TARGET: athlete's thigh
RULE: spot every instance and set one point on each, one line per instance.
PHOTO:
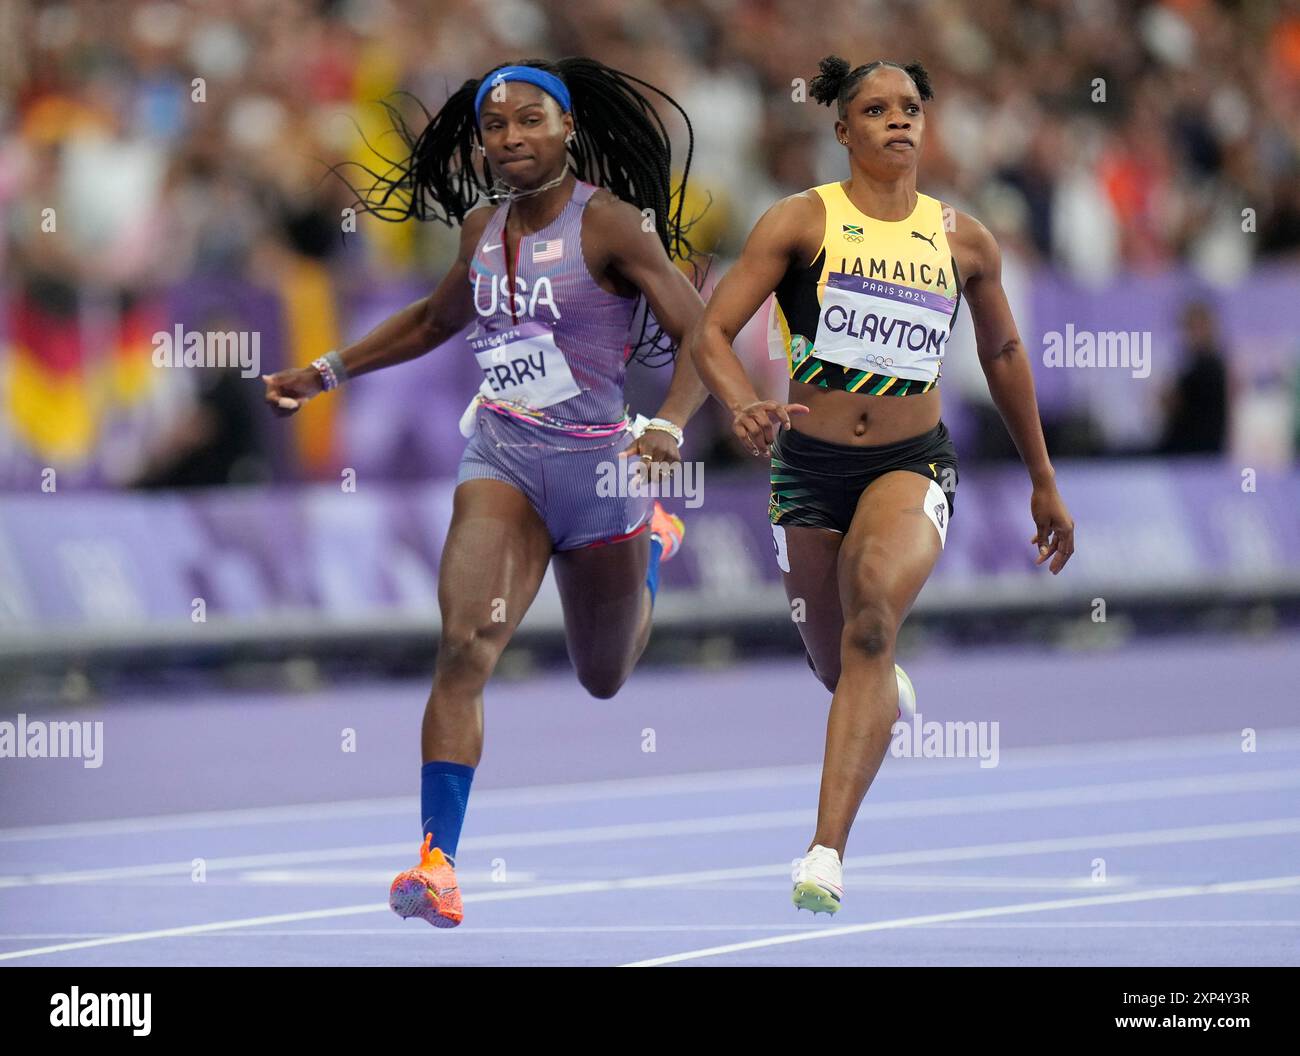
(494, 558)
(812, 587)
(890, 548)
(602, 589)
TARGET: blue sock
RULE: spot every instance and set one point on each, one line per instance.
(444, 794)
(652, 572)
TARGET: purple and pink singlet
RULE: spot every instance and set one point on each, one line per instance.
(550, 419)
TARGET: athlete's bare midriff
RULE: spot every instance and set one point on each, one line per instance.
(857, 418)
(854, 418)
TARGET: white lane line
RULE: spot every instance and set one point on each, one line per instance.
(371, 878)
(914, 882)
(1057, 755)
(537, 795)
(1153, 837)
(1084, 925)
(1061, 844)
(469, 931)
(883, 881)
(939, 806)
(1159, 894)
(465, 930)
(197, 929)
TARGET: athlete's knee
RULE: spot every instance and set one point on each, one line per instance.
(469, 650)
(602, 683)
(871, 629)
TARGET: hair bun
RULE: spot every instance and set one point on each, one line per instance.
(825, 87)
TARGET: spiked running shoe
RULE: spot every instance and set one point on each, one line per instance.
(819, 880)
(668, 529)
(429, 891)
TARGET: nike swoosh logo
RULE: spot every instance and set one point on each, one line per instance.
(489, 249)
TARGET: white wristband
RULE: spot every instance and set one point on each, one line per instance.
(665, 426)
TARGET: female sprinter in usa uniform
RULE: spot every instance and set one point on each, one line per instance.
(553, 276)
(868, 275)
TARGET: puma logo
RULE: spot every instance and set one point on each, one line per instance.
(917, 234)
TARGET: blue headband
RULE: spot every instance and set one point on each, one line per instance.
(547, 82)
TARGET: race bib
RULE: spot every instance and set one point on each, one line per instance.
(870, 324)
(936, 508)
(523, 365)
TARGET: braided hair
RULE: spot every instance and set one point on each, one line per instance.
(838, 83)
(620, 143)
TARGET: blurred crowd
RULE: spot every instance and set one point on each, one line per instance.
(179, 140)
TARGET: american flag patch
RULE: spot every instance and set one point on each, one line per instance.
(543, 252)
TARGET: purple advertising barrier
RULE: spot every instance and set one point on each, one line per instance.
(400, 424)
(1258, 321)
(115, 567)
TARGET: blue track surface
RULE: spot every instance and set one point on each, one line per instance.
(1123, 824)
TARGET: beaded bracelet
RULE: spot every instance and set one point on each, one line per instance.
(332, 371)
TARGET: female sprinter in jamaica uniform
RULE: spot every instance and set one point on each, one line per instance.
(868, 275)
(553, 276)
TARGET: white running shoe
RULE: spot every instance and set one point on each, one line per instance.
(819, 880)
(906, 693)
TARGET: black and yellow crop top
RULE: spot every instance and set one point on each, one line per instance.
(873, 311)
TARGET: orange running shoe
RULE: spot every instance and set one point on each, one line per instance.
(429, 891)
(668, 529)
